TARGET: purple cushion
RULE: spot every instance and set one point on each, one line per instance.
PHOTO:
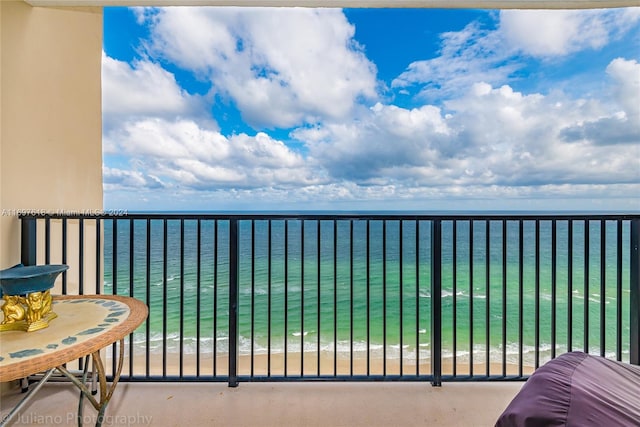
(577, 389)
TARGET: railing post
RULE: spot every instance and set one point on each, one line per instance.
(28, 253)
(634, 282)
(233, 302)
(28, 250)
(436, 302)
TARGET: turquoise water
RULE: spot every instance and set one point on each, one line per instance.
(330, 285)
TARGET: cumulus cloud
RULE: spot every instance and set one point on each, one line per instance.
(496, 55)
(549, 33)
(280, 67)
(621, 126)
(557, 32)
(471, 55)
(470, 136)
(490, 136)
(189, 156)
(626, 86)
(143, 89)
(115, 179)
(384, 137)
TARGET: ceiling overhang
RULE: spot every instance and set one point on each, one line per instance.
(445, 4)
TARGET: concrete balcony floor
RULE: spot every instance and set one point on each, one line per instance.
(274, 404)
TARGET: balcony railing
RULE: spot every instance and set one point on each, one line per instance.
(285, 297)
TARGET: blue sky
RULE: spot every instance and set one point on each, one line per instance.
(371, 109)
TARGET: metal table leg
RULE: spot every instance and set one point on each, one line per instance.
(105, 392)
(5, 420)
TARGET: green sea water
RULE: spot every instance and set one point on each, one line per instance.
(365, 286)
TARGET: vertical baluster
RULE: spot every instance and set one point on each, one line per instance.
(81, 256)
(28, 241)
(148, 289)
(269, 290)
(520, 294)
(504, 297)
(216, 263)
(554, 284)
(131, 288)
(634, 300)
(351, 298)
(99, 255)
(286, 293)
(368, 257)
(586, 284)
(181, 297)
(487, 270)
(253, 293)
(619, 289)
(47, 240)
(436, 298)
(335, 298)
(318, 296)
(302, 283)
(471, 281)
(455, 295)
(198, 291)
(603, 282)
(114, 291)
(234, 255)
(417, 295)
(570, 287)
(401, 286)
(164, 297)
(384, 297)
(64, 255)
(537, 294)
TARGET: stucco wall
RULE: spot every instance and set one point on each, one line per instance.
(50, 114)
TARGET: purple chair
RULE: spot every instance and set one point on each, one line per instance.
(577, 389)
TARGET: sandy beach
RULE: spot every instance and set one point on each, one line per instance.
(298, 364)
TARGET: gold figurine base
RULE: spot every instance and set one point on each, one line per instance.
(30, 313)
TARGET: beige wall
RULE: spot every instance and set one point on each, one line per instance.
(50, 114)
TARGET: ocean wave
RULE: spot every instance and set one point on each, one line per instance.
(345, 349)
(445, 294)
(256, 291)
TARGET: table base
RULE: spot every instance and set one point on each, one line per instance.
(105, 391)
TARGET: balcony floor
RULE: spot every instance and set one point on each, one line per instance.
(271, 404)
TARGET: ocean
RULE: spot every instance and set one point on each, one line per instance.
(365, 286)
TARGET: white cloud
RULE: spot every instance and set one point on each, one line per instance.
(549, 33)
(115, 179)
(188, 156)
(143, 89)
(545, 33)
(495, 56)
(281, 67)
(492, 136)
(626, 86)
(299, 68)
(468, 56)
(622, 125)
(385, 136)
(493, 142)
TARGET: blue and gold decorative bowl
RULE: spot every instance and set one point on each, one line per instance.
(25, 279)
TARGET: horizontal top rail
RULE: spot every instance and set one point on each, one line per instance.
(391, 215)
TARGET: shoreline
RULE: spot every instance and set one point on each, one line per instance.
(298, 364)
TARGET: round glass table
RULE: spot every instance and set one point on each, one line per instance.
(85, 325)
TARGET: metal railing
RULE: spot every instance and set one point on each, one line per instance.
(286, 297)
